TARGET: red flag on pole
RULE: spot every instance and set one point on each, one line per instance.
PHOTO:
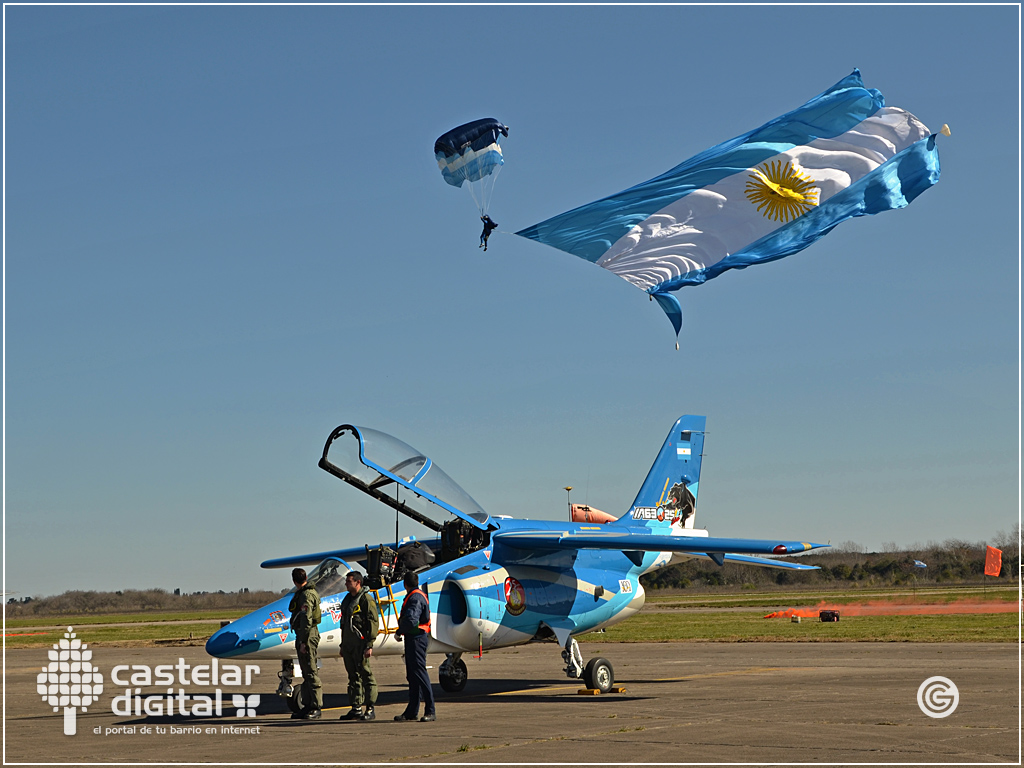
(993, 561)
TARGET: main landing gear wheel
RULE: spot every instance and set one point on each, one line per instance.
(452, 674)
(599, 675)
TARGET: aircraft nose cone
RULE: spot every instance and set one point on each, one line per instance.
(223, 643)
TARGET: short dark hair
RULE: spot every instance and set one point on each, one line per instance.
(298, 575)
(355, 576)
(411, 580)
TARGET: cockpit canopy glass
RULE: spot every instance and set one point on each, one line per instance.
(328, 577)
(383, 458)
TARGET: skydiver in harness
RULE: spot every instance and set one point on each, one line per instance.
(489, 226)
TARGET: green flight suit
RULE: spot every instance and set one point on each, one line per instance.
(305, 623)
(359, 626)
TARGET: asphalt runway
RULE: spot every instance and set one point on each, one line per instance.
(684, 703)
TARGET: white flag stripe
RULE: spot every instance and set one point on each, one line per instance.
(669, 243)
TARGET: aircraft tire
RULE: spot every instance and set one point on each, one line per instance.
(296, 702)
(599, 675)
(456, 680)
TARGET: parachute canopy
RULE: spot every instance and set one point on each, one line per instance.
(759, 197)
(472, 153)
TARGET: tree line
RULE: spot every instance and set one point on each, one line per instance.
(951, 562)
(82, 602)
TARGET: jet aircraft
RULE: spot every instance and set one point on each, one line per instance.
(498, 581)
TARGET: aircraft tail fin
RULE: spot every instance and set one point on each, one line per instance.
(668, 496)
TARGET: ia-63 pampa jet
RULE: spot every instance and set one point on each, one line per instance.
(496, 581)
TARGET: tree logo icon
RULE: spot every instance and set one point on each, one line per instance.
(70, 680)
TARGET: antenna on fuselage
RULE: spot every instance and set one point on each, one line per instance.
(568, 501)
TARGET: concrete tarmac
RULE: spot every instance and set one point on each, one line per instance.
(753, 703)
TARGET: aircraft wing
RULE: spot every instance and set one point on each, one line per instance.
(761, 561)
(350, 555)
(625, 540)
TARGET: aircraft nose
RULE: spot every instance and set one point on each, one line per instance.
(226, 642)
(222, 642)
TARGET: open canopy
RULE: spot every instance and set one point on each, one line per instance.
(398, 475)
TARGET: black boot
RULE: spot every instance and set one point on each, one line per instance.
(356, 713)
(368, 715)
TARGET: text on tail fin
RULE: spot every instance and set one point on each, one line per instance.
(669, 494)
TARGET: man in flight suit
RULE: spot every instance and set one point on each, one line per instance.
(414, 625)
(305, 621)
(359, 619)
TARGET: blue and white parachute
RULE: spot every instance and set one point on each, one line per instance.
(759, 197)
(472, 153)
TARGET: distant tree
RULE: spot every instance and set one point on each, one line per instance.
(1008, 541)
(849, 546)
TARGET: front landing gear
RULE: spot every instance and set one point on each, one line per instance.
(598, 675)
(286, 676)
(287, 690)
(297, 701)
(573, 659)
(452, 674)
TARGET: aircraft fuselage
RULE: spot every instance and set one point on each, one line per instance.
(475, 603)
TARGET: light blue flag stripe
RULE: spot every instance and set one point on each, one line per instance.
(892, 185)
(590, 230)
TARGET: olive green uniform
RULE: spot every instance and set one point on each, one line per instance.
(359, 625)
(305, 621)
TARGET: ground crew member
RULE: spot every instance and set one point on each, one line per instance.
(414, 626)
(359, 619)
(305, 623)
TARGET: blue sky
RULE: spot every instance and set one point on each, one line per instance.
(225, 234)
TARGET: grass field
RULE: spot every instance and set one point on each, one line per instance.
(126, 634)
(123, 618)
(753, 627)
(792, 599)
(670, 617)
(111, 629)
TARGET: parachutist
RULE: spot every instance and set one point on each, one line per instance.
(489, 226)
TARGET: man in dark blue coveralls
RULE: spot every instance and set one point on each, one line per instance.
(414, 626)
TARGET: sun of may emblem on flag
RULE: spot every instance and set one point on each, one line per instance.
(780, 191)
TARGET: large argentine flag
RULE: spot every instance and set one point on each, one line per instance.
(756, 198)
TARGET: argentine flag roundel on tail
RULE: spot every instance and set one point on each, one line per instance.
(756, 198)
